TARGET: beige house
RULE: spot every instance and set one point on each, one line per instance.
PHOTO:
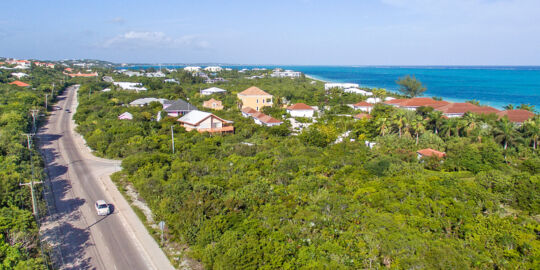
(213, 104)
(255, 98)
(205, 122)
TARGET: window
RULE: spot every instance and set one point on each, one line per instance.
(269, 100)
(257, 109)
(257, 100)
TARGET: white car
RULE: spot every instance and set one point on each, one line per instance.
(102, 208)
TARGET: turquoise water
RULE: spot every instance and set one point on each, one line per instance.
(494, 86)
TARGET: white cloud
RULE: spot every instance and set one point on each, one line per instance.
(156, 40)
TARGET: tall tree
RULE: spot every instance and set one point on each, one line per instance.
(531, 129)
(419, 126)
(505, 132)
(399, 120)
(527, 107)
(410, 86)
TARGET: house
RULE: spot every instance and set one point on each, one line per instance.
(414, 103)
(300, 110)
(363, 106)
(130, 86)
(361, 116)
(248, 111)
(192, 69)
(205, 122)
(255, 98)
(145, 101)
(373, 100)
(287, 73)
(265, 120)
(516, 116)
(171, 81)
(428, 152)
(19, 83)
(19, 74)
(107, 79)
(213, 104)
(178, 107)
(213, 69)
(20, 64)
(358, 91)
(459, 109)
(157, 74)
(212, 90)
(328, 86)
(126, 116)
(79, 74)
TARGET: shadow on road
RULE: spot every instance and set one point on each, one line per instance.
(73, 245)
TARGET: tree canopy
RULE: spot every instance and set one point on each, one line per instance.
(410, 86)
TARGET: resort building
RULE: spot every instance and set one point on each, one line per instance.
(171, 81)
(212, 90)
(414, 103)
(178, 107)
(459, 109)
(300, 110)
(516, 116)
(126, 116)
(255, 98)
(373, 100)
(213, 69)
(205, 122)
(19, 83)
(157, 74)
(213, 104)
(328, 86)
(363, 106)
(428, 152)
(248, 112)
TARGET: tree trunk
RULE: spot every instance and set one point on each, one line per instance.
(400, 132)
(505, 144)
(416, 138)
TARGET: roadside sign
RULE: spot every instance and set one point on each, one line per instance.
(161, 225)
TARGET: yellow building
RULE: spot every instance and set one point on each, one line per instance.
(255, 98)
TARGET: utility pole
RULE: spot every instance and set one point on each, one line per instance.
(32, 182)
(172, 138)
(52, 90)
(46, 96)
(34, 114)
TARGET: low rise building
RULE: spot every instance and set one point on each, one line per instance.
(363, 106)
(213, 104)
(130, 86)
(178, 107)
(328, 86)
(125, 116)
(516, 116)
(212, 90)
(205, 122)
(213, 69)
(300, 110)
(192, 69)
(255, 98)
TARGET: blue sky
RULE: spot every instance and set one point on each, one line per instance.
(339, 32)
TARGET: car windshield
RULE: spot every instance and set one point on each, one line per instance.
(100, 206)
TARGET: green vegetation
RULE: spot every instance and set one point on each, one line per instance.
(19, 239)
(263, 199)
(410, 86)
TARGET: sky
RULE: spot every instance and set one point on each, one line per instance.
(293, 32)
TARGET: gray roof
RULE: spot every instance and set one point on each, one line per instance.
(180, 105)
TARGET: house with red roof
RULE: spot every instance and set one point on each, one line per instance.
(265, 120)
(516, 116)
(415, 103)
(300, 110)
(363, 106)
(19, 83)
(361, 116)
(79, 74)
(255, 98)
(428, 152)
(458, 109)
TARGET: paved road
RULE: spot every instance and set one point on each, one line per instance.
(82, 239)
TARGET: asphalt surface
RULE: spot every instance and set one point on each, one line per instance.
(79, 237)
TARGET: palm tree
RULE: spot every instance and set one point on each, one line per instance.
(505, 132)
(399, 121)
(531, 129)
(509, 107)
(382, 123)
(419, 126)
(436, 120)
(471, 121)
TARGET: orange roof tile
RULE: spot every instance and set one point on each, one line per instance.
(363, 104)
(254, 91)
(19, 83)
(299, 106)
(454, 108)
(265, 118)
(517, 116)
(249, 110)
(428, 152)
(362, 116)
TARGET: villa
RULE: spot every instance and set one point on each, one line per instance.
(19, 83)
(516, 116)
(212, 90)
(459, 109)
(130, 86)
(255, 98)
(300, 110)
(414, 103)
(428, 152)
(328, 86)
(213, 104)
(79, 74)
(145, 101)
(192, 69)
(205, 122)
(265, 120)
(178, 107)
(19, 74)
(286, 73)
(126, 116)
(363, 106)
(213, 69)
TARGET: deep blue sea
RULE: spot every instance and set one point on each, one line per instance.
(496, 86)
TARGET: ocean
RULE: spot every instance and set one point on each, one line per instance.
(495, 86)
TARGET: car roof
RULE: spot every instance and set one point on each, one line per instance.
(101, 202)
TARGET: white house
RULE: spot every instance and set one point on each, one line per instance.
(340, 85)
(171, 81)
(205, 122)
(145, 101)
(355, 90)
(126, 116)
(363, 106)
(300, 110)
(213, 69)
(192, 69)
(286, 73)
(157, 74)
(212, 90)
(373, 100)
(19, 74)
(265, 120)
(130, 86)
